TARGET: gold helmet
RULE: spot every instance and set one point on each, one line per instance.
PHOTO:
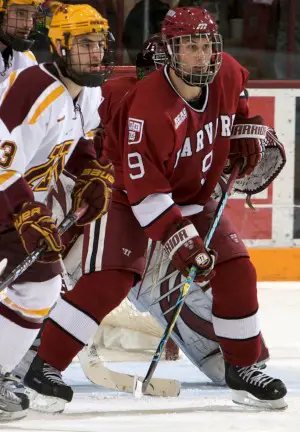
(7, 32)
(67, 24)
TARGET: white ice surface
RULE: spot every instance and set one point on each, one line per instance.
(200, 406)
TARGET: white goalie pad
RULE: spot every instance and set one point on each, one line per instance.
(193, 333)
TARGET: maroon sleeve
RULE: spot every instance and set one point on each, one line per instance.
(83, 153)
(242, 110)
(12, 198)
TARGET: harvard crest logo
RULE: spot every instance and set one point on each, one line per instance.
(135, 130)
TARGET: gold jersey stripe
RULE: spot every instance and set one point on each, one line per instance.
(6, 176)
(32, 312)
(30, 55)
(46, 102)
(12, 78)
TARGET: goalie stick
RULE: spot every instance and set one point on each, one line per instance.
(140, 386)
(68, 221)
(94, 368)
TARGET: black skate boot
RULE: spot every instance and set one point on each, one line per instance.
(48, 392)
(251, 387)
(14, 403)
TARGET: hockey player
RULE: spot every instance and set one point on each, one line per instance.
(16, 22)
(38, 138)
(175, 121)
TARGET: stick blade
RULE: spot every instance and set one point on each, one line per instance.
(137, 387)
(99, 374)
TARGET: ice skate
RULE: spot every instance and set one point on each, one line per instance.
(250, 386)
(14, 403)
(48, 392)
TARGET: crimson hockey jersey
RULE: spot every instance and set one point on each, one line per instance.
(169, 155)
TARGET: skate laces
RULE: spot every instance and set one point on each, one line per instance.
(9, 383)
(52, 374)
(253, 375)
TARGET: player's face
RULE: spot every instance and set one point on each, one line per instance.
(87, 52)
(19, 20)
(194, 54)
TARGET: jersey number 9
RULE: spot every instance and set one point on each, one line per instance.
(135, 163)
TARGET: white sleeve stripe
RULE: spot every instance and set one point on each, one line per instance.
(243, 93)
(152, 207)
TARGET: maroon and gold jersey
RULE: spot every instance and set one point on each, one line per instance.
(169, 154)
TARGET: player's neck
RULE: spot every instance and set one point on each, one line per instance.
(187, 92)
(73, 89)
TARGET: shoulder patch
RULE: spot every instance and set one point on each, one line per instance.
(135, 130)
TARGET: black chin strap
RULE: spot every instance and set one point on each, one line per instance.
(7, 54)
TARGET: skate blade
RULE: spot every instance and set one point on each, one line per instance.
(244, 398)
(6, 416)
(45, 404)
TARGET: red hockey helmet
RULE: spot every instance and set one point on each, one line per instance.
(152, 56)
(195, 29)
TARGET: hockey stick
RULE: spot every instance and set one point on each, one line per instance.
(3, 264)
(96, 372)
(140, 387)
(68, 221)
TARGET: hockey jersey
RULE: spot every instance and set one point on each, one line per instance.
(15, 60)
(169, 155)
(40, 126)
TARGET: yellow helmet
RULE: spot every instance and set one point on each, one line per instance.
(4, 4)
(74, 20)
(69, 21)
(6, 37)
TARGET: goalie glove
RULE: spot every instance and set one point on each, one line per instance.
(265, 172)
(247, 141)
(185, 248)
(35, 225)
(93, 187)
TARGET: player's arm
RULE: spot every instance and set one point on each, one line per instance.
(248, 133)
(263, 154)
(148, 146)
(94, 180)
(14, 155)
(21, 132)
